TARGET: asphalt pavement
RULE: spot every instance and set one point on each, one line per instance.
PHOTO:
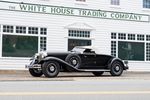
(20, 85)
(117, 89)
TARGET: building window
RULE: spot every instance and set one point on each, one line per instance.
(78, 33)
(43, 43)
(33, 30)
(148, 51)
(43, 31)
(78, 38)
(81, 0)
(146, 3)
(113, 35)
(147, 37)
(8, 28)
(130, 46)
(122, 36)
(131, 51)
(140, 37)
(77, 42)
(20, 29)
(19, 46)
(131, 36)
(113, 48)
(115, 2)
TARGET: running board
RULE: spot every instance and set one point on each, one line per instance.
(93, 70)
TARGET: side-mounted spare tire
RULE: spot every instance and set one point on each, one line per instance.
(50, 69)
(74, 60)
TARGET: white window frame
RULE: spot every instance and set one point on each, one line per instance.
(127, 40)
(20, 34)
(79, 38)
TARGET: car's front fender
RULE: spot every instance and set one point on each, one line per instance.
(60, 61)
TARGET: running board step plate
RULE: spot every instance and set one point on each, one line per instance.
(93, 70)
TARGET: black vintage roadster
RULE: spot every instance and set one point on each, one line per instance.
(80, 59)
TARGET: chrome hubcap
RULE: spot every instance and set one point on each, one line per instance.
(52, 68)
(74, 62)
(117, 68)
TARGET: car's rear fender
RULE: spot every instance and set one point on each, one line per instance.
(60, 61)
(113, 60)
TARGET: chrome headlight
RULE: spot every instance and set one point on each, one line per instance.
(36, 55)
(42, 55)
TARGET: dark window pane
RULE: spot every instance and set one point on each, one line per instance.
(8, 28)
(115, 2)
(75, 42)
(131, 51)
(19, 46)
(146, 3)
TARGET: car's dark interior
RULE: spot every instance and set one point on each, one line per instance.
(88, 51)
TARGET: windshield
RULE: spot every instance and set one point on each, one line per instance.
(75, 49)
(85, 49)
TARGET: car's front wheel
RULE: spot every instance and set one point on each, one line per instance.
(98, 73)
(35, 72)
(116, 68)
(50, 69)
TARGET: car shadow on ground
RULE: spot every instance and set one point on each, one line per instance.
(69, 75)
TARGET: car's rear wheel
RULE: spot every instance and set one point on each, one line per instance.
(98, 73)
(73, 60)
(116, 68)
(36, 72)
(50, 69)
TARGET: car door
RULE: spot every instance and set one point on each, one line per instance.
(101, 60)
(88, 60)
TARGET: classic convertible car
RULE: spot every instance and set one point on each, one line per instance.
(79, 59)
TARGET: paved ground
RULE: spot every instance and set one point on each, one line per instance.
(20, 85)
(117, 89)
(16, 75)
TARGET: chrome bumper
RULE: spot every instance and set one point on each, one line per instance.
(33, 65)
(126, 67)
